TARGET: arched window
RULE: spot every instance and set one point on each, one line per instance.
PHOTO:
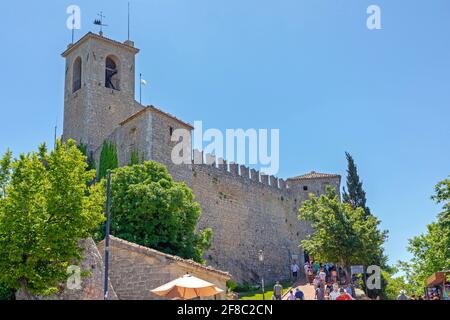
(112, 79)
(76, 84)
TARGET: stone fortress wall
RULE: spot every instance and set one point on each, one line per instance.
(248, 211)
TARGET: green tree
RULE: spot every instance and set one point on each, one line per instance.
(442, 196)
(341, 233)
(355, 194)
(5, 172)
(149, 208)
(89, 156)
(108, 159)
(431, 250)
(47, 209)
(135, 158)
(431, 253)
(394, 285)
(6, 293)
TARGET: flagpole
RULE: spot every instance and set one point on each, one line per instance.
(140, 88)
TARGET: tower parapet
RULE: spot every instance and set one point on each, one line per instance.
(313, 182)
(99, 88)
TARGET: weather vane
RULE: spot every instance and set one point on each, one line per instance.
(99, 22)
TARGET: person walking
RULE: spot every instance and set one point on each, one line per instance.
(334, 275)
(327, 293)
(316, 282)
(294, 269)
(322, 275)
(308, 273)
(299, 294)
(349, 290)
(402, 295)
(335, 293)
(306, 270)
(320, 292)
(277, 290)
(291, 295)
(344, 295)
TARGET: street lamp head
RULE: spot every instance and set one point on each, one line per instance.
(261, 255)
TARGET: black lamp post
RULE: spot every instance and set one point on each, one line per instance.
(107, 231)
(261, 259)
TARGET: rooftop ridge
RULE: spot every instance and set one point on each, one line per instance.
(153, 108)
(121, 243)
(314, 175)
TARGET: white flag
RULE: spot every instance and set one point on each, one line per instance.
(143, 82)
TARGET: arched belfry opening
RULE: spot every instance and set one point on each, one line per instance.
(112, 75)
(77, 69)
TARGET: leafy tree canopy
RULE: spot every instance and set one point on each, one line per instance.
(89, 156)
(442, 195)
(5, 172)
(46, 209)
(149, 208)
(430, 250)
(6, 293)
(341, 233)
(394, 285)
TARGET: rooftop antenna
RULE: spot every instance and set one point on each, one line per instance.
(128, 20)
(99, 22)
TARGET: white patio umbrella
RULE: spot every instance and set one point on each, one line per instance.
(187, 287)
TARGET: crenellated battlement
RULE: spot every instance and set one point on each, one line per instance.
(199, 158)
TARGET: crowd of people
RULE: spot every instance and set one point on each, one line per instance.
(431, 296)
(327, 280)
(330, 283)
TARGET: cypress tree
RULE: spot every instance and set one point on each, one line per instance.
(108, 159)
(355, 196)
(134, 158)
(89, 156)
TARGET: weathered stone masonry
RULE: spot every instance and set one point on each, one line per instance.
(248, 215)
(247, 211)
(136, 270)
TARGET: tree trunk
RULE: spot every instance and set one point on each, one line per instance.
(24, 289)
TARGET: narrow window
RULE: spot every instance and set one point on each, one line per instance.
(305, 188)
(112, 79)
(133, 137)
(170, 131)
(76, 81)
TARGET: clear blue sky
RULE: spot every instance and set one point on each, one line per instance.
(308, 67)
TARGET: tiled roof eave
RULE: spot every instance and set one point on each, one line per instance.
(123, 244)
(313, 176)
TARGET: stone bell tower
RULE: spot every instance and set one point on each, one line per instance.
(99, 88)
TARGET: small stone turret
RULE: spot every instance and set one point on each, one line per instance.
(313, 182)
